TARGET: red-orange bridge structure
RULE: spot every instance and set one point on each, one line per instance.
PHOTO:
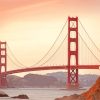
(72, 80)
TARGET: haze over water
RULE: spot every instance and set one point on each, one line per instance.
(40, 93)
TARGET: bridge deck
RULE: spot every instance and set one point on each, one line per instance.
(52, 68)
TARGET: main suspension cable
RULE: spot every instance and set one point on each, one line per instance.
(46, 52)
(51, 46)
(55, 51)
(14, 56)
(89, 36)
(14, 62)
(89, 48)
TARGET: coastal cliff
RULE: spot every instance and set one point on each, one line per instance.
(92, 94)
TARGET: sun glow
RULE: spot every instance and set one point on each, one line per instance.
(30, 27)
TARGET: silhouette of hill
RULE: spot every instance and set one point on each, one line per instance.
(57, 79)
(85, 80)
(33, 80)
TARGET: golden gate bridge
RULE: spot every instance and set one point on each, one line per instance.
(73, 68)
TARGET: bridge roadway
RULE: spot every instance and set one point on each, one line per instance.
(63, 67)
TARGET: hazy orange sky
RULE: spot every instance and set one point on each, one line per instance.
(31, 26)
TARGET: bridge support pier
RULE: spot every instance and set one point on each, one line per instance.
(3, 65)
(72, 81)
(3, 81)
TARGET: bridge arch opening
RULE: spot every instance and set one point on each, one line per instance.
(3, 46)
(73, 46)
(72, 34)
(73, 60)
(3, 52)
(3, 60)
(73, 24)
(3, 69)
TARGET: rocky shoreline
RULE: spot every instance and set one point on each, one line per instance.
(92, 94)
(23, 96)
(2, 94)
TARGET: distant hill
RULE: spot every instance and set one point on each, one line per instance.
(61, 76)
(33, 80)
(57, 79)
(84, 80)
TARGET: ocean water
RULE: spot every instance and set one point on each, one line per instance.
(39, 93)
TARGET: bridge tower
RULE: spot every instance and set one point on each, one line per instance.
(3, 64)
(72, 81)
